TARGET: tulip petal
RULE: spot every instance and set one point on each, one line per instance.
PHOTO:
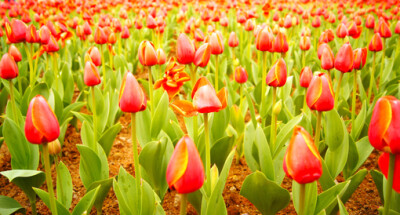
(177, 164)
(380, 122)
(383, 163)
(183, 107)
(44, 120)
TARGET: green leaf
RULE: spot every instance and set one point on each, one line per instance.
(220, 150)
(143, 121)
(23, 154)
(251, 108)
(26, 179)
(359, 122)
(102, 188)
(64, 185)
(334, 132)
(329, 196)
(336, 160)
(378, 180)
(10, 206)
(87, 134)
(285, 133)
(44, 196)
(160, 115)
(248, 143)
(107, 138)
(85, 205)
(342, 208)
(264, 153)
(266, 195)
(90, 167)
(220, 121)
(310, 196)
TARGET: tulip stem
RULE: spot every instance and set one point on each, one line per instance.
(302, 199)
(12, 100)
(183, 204)
(208, 159)
(389, 184)
(273, 120)
(338, 89)
(372, 79)
(33, 205)
(103, 66)
(49, 181)
(94, 120)
(151, 92)
(241, 97)
(136, 158)
(382, 64)
(55, 68)
(31, 71)
(318, 129)
(263, 77)
(353, 105)
(110, 56)
(305, 100)
(216, 73)
(303, 57)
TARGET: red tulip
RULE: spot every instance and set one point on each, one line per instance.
(342, 31)
(384, 29)
(383, 163)
(87, 30)
(276, 76)
(216, 43)
(240, 75)
(320, 94)
(287, 22)
(8, 67)
(249, 25)
(321, 48)
(354, 30)
(305, 43)
(202, 55)
(44, 34)
(52, 45)
(344, 58)
(95, 55)
(185, 171)
(264, 39)
(316, 23)
(15, 31)
(370, 21)
(233, 40)
(161, 58)
(138, 24)
(327, 59)
(384, 126)
(147, 54)
(125, 33)
(100, 36)
(91, 76)
(31, 35)
(397, 28)
(224, 21)
(376, 43)
(41, 125)
(306, 76)
(360, 58)
(151, 22)
(13, 51)
(280, 43)
(131, 96)
(302, 161)
(198, 35)
(185, 49)
(205, 100)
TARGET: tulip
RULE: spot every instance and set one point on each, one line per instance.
(370, 21)
(316, 23)
(280, 43)
(205, 100)
(264, 39)
(87, 30)
(360, 58)
(147, 54)
(44, 35)
(91, 76)
(161, 58)
(233, 40)
(343, 63)
(202, 55)
(14, 52)
(240, 75)
(217, 47)
(31, 35)
(125, 33)
(327, 59)
(8, 67)
(249, 25)
(95, 55)
(185, 171)
(305, 43)
(174, 78)
(15, 31)
(375, 45)
(342, 31)
(131, 98)
(397, 28)
(384, 29)
(306, 76)
(41, 127)
(185, 49)
(151, 22)
(198, 35)
(99, 36)
(390, 167)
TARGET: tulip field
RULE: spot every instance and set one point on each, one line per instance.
(200, 107)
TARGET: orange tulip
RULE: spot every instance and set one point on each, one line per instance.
(280, 43)
(99, 36)
(185, 49)
(276, 76)
(13, 51)
(95, 55)
(31, 35)
(91, 75)
(161, 58)
(327, 59)
(320, 94)
(216, 43)
(384, 29)
(264, 39)
(44, 34)
(370, 21)
(233, 40)
(305, 43)
(125, 33)
(131, 96)
(342, 31)
(306, 76)
(240, 75)
(147, 54)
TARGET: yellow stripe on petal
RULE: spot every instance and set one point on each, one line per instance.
(310, 145)
(178, 164)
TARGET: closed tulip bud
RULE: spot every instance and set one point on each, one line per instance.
(276, 76)
(240, 75)
(112, 39)
(125, 33)
(15, 31)
(198, 35)
(376, 43)
(360, 58)
(397, 28)
(41, 125)
(321, 48)
(87, 30)
(116, 24)
(344, 58)
(100, 36)
(54, 147)
(161, 57)
(264, 39)
(305, 43)
(13, 51)
(320, 94)
(216, 43)
(249, 25)
(233, 40)
(8, 67)
(354, 30)
(44, 35)
(306, 76)
(342, 31)
(31, 35)
(327, 59)
(276, 17)
(370, 21)
(91, 76)
(280, 43)
(302, 161)
(383, 163)
(131, 96)
(147, 54)
(205, 100)
(185, 171)
(151, 22)
(287, 22)
(202, 55)
(385, 122)
(95, 55)
(384, 29)
(185, 49)
(224, 22)
(316, 23)
(138, 24)
(52, 45)
(277, 107)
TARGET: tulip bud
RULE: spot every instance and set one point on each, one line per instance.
(41, 125)
(277, 107)
(233, 40)
(138, 24)
(161, 58)
(95, 55)
(125, 33)
(99, 36)
(224, 22)
(15, 31)
(370, 21)
(316, 23)
(13, 51)
(8, 67)
(280, 43)
(249, 25)
(54, 147)
(185, 49)
(327, 59)
(376, 43)
(287, 22)
(31, 35)
(240, 75)
(320, 94)
(147, 54)
(383, 29)
(383, 129)
(216, 43)
(131, 97)
(344, 58)
(185, 171)
(205, 100)
(52, 45)
(44, 35)
(276, 76)
(151, 22)
(360, 58)
(87, 30)
(305, 43)
(198, 35)
(306, 76)
(302, 161)
(112, 39)
(202, 55)
(342, 31)
(354, 30)
(397, 28)
(383, 163)
(91, 76)
(264, 39)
